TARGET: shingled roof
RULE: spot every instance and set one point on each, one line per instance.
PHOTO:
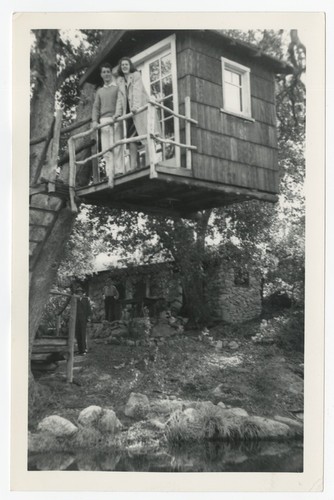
(121, 42)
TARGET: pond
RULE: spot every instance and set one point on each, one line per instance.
(208, 457)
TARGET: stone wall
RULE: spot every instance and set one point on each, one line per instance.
(158, 280)
(231, 302)
(227, 299)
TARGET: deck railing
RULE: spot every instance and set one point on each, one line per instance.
(150, 139)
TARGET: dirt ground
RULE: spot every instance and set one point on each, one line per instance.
(262, 379)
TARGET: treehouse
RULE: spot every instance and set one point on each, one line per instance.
(215, 99)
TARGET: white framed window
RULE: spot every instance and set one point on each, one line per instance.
(157, 65)
(236, 88)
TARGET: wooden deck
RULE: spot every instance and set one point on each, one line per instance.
(174, 191)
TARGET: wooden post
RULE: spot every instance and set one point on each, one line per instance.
(72, 174)
(110, 163)
(124, 151)
(71, 336)
(150, 141)
(95, 161)
(188, 131)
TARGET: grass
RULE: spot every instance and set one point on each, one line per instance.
(209, 423)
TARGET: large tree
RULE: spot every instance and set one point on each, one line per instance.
(56, 64)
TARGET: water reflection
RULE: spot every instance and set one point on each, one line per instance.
(208, 457)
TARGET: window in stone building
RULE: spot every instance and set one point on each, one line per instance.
(241, 276)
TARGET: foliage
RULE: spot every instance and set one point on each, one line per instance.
(291, 331)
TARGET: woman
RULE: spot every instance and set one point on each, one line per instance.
(132, 95)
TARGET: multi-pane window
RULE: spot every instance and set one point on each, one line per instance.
(157, 65)
(236, 88)
(161, 87)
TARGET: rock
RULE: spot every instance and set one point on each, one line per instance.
(119, 332)
(233, 345)
(90, 415)
(294, 424)
(221, 404)
(138, 405)
(109, 422)
(238, 412)
(270, 429)
(162, 330)
(130, 342)
(219, 345)
(57, 426)
(218, 391)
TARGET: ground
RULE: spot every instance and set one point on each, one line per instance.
(261, 378)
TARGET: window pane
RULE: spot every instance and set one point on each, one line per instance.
(169, 104)
(228, 76)
(154, 69)
(169, 128)
(236, 78)
(232, 98)
(156, 89)
(167, 86)
(166, 65)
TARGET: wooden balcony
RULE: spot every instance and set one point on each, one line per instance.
(160, 186)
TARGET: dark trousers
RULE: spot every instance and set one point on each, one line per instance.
(109, 307)
(80, 334)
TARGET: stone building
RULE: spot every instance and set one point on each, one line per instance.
(233, 292)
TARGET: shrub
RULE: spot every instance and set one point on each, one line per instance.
(291, 331)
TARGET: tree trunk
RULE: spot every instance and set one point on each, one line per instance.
(42, 106)
(189, 256)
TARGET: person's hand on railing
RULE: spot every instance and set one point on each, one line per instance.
(94, 125)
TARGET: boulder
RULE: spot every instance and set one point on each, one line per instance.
(89, 416)
(57, 426)
(294, 424)
(165, 407)
(233, 345)
(138, 405)
(221, 404)
(109, 422)
(237, 412)
(270, 429)
(219, 345)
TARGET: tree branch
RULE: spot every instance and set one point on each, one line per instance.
(72, 70)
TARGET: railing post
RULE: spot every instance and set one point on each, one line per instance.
(71, 336)
(72, 174)
(125, 163)
(95, 161)
(187, 107)
(110, 164)
(150, 141)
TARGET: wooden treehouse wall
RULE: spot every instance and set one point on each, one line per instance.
(230, 150)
